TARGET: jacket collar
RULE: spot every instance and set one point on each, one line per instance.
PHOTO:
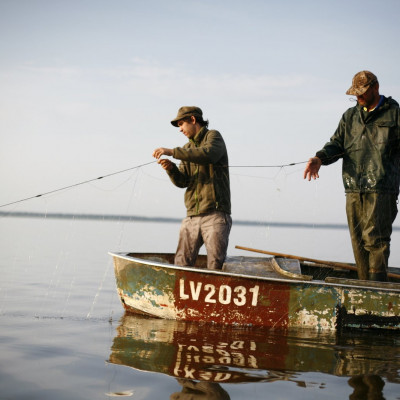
(371, 115)
(385, 104)
(200, 135)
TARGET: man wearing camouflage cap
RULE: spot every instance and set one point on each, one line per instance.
(204, 172)
(368, 140)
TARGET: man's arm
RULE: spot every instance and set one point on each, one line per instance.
(179, 178)
(210, 151)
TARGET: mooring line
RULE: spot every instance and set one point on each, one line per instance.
(137, 166)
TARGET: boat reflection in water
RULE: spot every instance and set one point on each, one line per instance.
(201, 356)
(192, 390)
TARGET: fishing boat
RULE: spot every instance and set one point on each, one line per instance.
(275, 292)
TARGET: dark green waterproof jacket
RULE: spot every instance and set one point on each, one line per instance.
(204, 172)
(369, 143)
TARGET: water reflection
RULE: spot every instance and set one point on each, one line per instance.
(367, 387)
(201, 356)
(192, 390)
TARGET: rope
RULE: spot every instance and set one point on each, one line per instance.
(139, 166)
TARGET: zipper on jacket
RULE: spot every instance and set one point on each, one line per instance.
(196, 196)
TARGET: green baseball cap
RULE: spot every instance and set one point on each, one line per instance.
(362, 81)
(185, 112)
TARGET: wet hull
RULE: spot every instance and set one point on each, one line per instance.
(150, 284)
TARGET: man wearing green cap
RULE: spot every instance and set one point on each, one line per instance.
(204, 172)
(368, 140)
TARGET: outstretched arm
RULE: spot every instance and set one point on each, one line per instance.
(312, 168)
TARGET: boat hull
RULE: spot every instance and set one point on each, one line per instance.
(149, 284)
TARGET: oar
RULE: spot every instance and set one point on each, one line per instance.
(312, 260)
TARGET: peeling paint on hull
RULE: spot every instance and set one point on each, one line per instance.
(148, 284)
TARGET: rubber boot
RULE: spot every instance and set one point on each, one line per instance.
(378, 276)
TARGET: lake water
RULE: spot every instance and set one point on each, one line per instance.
(64, 334)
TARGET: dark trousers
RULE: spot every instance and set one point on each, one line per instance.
(370, 217)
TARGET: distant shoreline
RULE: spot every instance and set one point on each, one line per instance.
(168, 220)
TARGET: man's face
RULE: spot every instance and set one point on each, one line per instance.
(370, 98)
(188, 127)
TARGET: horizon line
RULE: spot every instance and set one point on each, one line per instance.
(171, 220)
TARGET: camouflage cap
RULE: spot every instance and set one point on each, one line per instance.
(362, 81)
(187, 111)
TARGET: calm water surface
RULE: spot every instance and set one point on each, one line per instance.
(64, 335)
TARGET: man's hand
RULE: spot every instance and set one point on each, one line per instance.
(162, 151)
(166, 164)
(312, 168)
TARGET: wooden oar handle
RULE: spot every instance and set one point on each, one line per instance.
(329, 263)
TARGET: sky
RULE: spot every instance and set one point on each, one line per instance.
(88, 89)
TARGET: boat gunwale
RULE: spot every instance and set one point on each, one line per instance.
(316, 282)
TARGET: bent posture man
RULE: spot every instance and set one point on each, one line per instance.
(368, 140)
(204, 172)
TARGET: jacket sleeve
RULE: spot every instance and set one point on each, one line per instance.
(210, 151)
(179, 176)
(334, 149)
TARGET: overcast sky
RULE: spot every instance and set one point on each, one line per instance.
(88, 88)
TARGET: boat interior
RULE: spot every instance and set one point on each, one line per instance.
(277, 267)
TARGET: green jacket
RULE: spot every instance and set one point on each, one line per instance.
(369, 143)
(204, 172)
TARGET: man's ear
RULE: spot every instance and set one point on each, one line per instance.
(193, 120)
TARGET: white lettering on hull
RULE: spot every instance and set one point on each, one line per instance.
(224, 294)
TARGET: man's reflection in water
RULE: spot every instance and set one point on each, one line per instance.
(367, 387)
(192, 390)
